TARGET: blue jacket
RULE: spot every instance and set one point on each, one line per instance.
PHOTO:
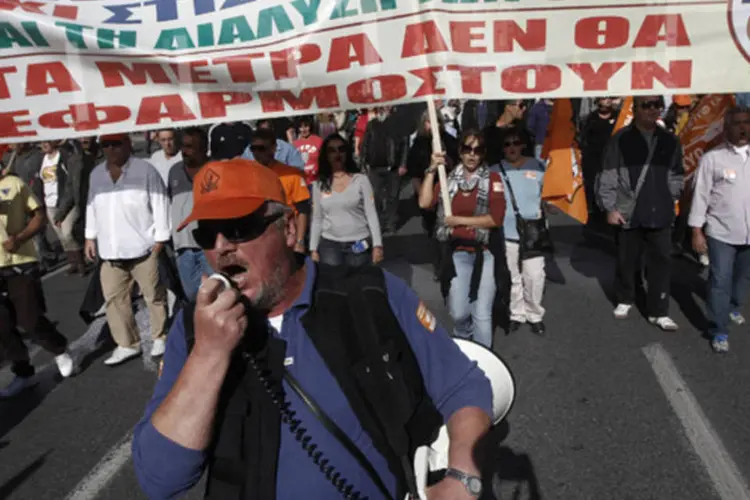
(285, 153)
(166, 469)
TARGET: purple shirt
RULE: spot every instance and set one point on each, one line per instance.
(538, 119)
(166, 469)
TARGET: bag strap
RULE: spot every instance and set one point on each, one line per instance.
(336, 431)
(510, 190)
(646, 166)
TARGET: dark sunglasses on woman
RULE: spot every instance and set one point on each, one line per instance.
(466, 149)
(240, 230)
(512, 143)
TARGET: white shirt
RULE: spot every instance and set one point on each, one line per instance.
(127, 217)
(164, 164)
(743, 151)
(48, 174)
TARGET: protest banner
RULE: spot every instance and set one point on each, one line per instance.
(73, 68)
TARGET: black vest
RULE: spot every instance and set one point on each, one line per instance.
(351, 324)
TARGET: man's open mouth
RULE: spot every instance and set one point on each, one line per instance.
(233, 270)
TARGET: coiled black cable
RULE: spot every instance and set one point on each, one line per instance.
(278, 397)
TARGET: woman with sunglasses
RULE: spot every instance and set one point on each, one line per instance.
(512, 117)
(523, 176)
(345, 227)
(478, 206)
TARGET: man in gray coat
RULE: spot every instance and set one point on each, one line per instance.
(642, 178)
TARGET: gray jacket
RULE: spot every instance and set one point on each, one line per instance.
(624, 157)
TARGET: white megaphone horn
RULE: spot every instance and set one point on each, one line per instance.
(435, 456)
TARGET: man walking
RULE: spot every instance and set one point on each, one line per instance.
(641, 180)
(127, 221)
(721, 204)
(191, 262)
(21, 295)
(169, 155)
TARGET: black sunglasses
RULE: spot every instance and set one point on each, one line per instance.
(239, 230)
(258, 147)
(111, 144)
(651, 105)
(337, 149)
(466, 149)
(512, 143)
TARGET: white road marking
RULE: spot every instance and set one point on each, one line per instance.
(725, 475)
(103, 472)
(55, 272)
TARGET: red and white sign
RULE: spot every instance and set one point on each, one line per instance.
(118, 66)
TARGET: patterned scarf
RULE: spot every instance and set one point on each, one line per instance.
(458, 182)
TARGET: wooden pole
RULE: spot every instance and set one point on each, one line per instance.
(438, 148)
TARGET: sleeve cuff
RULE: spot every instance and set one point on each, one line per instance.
(162, 236)
(90, 234)
(696, 221)
(166, 461)
(475, 391)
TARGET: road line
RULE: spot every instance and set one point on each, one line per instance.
(55, 272)
(724, 473)
(103, 472)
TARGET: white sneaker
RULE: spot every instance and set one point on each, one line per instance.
(160, 345)
(622, 311)
(121, 354)
(664, 322)
(65, 364)
(17, 386)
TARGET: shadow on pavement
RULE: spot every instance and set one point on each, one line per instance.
(687, 288)
(14, 482)
(417, 249)
(506, 474)
(13, 411)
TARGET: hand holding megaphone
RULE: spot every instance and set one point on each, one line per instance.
(220, 320)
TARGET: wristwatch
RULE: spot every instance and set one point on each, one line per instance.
(473, 484)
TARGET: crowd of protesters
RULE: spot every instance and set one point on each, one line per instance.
(101, 207)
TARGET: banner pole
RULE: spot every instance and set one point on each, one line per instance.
(438, 148)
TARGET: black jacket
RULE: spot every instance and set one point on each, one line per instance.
(624, 159)
(420, 153)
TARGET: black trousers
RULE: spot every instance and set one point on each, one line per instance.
(22, 305)
(386, 186)
(652, 248)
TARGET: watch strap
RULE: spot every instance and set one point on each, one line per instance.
(466, 479)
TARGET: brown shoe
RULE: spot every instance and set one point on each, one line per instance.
(75, 261)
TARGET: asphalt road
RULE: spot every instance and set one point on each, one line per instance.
(592, 419)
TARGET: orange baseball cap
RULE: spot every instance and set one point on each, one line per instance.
(682, 100)
(230, 189)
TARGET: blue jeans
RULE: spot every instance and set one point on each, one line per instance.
(340, 253)
(191, 264)
(472, 320)
(729, 273)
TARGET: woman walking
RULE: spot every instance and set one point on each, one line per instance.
(345, 228)
(478, 207)
(523, 177)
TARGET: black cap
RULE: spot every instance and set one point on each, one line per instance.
(229, 140)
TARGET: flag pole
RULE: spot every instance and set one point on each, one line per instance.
(438, 148)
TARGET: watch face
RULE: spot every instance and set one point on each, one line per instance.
(474, 484)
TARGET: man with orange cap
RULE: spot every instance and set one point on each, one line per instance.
(275, 315)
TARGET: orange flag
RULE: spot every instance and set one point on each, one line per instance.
(563, 180)
(625, 116)
(704, 131)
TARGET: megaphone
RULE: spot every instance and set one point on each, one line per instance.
(435, 456)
